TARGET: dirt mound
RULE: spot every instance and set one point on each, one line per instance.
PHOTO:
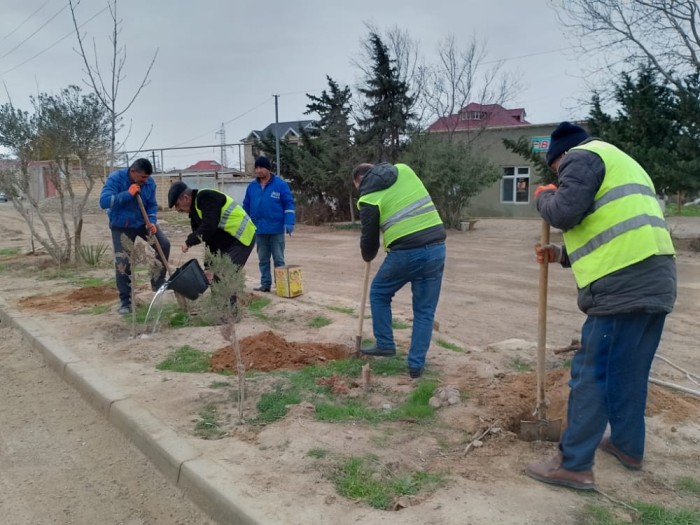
(267, 351)
(673, 406)
(513, 398)
(70, 301)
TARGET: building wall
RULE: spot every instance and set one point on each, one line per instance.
(235, 188)
(489, 143)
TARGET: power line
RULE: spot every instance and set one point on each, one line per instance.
(227, 122)
(35, 32)
(55, 43)
(8, 35)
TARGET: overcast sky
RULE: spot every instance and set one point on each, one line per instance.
(220, 61)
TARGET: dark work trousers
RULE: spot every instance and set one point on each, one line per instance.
(122, 266)
(239, 254)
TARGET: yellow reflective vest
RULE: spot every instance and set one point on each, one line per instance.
(405, 207)
(234, 220)
(626, 224)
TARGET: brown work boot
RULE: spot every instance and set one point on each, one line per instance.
(553, 473)
(627, 461)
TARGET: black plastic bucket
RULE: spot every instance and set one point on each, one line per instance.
(189, 280)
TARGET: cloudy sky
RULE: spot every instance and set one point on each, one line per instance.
(220, 61)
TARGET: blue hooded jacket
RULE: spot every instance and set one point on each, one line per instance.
(271, 208)
(122, 209)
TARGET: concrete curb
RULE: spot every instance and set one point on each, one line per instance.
(204, 481)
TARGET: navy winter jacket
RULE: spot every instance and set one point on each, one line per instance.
(271, 208)
(122, 209)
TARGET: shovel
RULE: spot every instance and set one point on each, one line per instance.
(180, 299)
(542, 429)
(361, 318)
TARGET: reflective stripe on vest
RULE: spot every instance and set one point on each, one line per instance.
(625, 225)
(405, 207)
(234, 220)
(412, 210)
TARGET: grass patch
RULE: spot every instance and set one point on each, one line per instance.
(186, 359)
(397, 324)
(649, 514)
(318, 453)
(347, 226)
(320, 321)
(170, 315)
(416, 407)
(208, 426)
(98, 309)
(449, 346)
(686, 211)
(519, 365)
(689, 485)
(342, 309)
(256, 306)
(8, 252)
(273, 405)
(367, 480)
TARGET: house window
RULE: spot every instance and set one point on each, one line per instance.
(515, 184)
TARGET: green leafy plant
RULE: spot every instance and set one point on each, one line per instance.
(519, 365)
(8, 252)
(92, 254)
(273, 405)
(366, 479)
(689, 485)
(186, 359)
(208, 426)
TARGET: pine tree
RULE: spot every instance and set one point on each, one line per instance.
(387, 109)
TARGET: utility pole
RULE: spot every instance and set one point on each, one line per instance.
(277, 136)
(153, 156)
(222, 133)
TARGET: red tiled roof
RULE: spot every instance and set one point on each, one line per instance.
(491, 116)
(204, 165)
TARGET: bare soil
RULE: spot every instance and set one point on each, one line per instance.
(487, 311)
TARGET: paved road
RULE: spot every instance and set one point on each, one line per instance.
(61, 463)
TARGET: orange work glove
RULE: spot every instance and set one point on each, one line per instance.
(134, 189)
(548, 187)
(550, 253)
(152, 228)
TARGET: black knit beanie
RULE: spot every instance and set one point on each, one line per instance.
(565, 137)
(263, 162)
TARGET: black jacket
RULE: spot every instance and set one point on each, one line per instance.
(648, 286)
(379, 178)
(207, 228)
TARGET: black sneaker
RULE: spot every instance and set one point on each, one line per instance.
(262, 289)
(378, 352)
(415, 373)
(124, 309)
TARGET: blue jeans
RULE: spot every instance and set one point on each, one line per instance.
(422, 267)
(123, 268)
(609, 376)
(269, 244)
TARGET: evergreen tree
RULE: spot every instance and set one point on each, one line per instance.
(387, 108)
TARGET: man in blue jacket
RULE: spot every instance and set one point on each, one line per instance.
(118, 197)
(269, 203)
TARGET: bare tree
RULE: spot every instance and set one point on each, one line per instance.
(630, 33)
(106, 88)
(460, 76)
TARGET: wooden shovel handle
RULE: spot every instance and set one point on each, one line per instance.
(542, 322)
(363, 302)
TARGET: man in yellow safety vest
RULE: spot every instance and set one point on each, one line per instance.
(394, 201)
(619, 248)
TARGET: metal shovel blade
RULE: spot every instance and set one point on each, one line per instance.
(540, 430)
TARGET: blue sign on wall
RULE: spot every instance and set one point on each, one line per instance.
(540, 144)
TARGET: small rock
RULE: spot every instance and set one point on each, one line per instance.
(478, 444)
(434, 402)
(387, 406)
(453, 400)
(401, 503)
